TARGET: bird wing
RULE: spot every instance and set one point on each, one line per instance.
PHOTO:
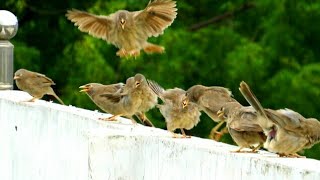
(215, 97)
(245, 120)
(97, 26)
(158, 15)
(113, 97)
(156, 88)
(43, 79)
(285, 118)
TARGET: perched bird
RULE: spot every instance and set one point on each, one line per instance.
(177, 110)
(287, 131)
(36, 84)
(136, 98)
(94, 90)
(242, 126)
(210, 100)
(129, 31)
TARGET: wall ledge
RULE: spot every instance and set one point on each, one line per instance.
(45, 140)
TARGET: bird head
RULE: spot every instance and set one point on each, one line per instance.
(139, 79)
(20, 74)
(122, 18)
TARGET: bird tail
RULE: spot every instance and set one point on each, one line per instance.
(251, 98)
(56, 96)
(155, 87)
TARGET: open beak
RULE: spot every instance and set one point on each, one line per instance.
(84, 88)
(16, 77)
(220, 114)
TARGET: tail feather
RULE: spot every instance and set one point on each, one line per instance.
(251, 98)
(57, 97)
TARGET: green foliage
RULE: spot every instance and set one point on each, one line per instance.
(274, 47)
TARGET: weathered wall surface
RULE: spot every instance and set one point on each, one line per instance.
(44, 140)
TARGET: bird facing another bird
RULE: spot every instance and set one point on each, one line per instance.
(36, 84)
(178, 111)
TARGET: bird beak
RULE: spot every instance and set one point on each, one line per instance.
(220, 114)
(16, 77)
(122, 26)
(84, 88)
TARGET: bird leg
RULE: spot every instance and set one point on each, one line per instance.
(255, 149)
(143, 118)
(295, 155)
(239, 151)
(152, 48)
(111, 118)
(215, 131)
(184, 134)
(218, 135)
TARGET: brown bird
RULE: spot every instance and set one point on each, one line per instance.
(177, 110)
(135, 98)
(287, 131)
(242, 126)
(210, 100)
(94, 90)
(36, 84)
(128, 31)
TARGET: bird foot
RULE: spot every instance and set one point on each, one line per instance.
(174, 135)
(30, 100)
(122, 53)
(108, 119)
(291, 155)
(239, 151)
(134, 53)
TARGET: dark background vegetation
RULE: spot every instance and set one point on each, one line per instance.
(273, 45)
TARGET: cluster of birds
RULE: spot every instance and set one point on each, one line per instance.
(280, 131)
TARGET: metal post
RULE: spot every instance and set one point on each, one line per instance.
(8, 29)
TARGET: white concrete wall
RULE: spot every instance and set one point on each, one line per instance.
(64, 142)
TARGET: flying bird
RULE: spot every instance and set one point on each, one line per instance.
(128, 30)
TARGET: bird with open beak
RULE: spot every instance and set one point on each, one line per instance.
(94, 90)
(36, 84)
(129, 31)
(136, 98)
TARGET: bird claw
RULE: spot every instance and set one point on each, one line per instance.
(127, 54)
(112, 118)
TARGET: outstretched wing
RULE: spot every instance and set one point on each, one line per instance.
(158, 15)
(97, 26)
